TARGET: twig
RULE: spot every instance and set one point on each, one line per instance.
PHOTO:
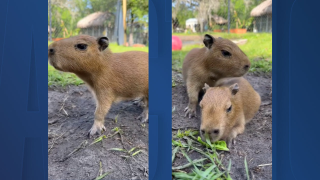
(122, 141)
(62, 107)
(261, 165)
(54, 141)
(82, 145)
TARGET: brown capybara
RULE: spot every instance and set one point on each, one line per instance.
(218, 59)
(112, 77)
(227, 107)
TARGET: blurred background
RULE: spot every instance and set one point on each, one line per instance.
(217, 15)
(122, 21)
(248, 23)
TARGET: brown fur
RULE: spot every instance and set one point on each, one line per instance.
(112, 77)
(214, 116)
(207, 65)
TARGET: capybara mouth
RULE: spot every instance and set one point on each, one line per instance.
(53, 64)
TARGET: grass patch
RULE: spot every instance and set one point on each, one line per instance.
(258, 49)
(58, 78)
(208, 167)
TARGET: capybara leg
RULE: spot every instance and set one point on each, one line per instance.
(193, 92)
(101, 111)
(233, 134)
(138, 102)
(144, 116)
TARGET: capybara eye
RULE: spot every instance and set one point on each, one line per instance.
(203, 132)
(225, 53)
(81, 46)
(229, 109)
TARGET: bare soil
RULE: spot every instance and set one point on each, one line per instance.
(70, 155)
(255, 143)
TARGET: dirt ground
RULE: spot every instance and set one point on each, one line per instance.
(255, 143)
(70, 116)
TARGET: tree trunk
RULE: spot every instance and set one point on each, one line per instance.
(131, 32)
(201, 26)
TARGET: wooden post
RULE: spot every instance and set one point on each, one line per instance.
(124, 15)
(50, 19)
(267, 29)
(228, 16)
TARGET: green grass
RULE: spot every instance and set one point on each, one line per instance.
(58, 78)
(208, 167)
(258, 49)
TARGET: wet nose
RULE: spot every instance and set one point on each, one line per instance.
(51, 51)
(246, 67)
(203, 131)
(216, 131)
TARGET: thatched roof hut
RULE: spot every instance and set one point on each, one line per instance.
(263, 17)
(265, 8)
(219, 20)
(93, 20)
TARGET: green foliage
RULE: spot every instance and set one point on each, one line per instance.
(208, 167)
(138, 8)
(239, 13)
(137, 11)
(184, 14)
(102, 5)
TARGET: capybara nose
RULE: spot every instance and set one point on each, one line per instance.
(216, 131)
(51, 51)
(203, 131)
(246, 67)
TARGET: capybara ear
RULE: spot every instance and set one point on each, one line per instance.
(103, 43)
(208, 41)
(201, 104)
(234, 88)
(206, 87)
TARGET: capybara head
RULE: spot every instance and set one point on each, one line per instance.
(76, 53)
(225, 57)
(218, 111)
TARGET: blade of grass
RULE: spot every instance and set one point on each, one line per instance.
(216, 176)
(206, 173)
(132, 149)
(181, 175)
(117, 149)
(228, 170)
(175, 150)
(99, 139)
(102, 176)
(246, 166)
(188, 164)
(116, 118)
(137, 152)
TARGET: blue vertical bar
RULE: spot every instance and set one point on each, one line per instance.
(160, 89)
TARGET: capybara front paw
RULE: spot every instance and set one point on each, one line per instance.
(138, 102)
(96, 128)
(190, 112)
(231, 142)
(143, 117)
